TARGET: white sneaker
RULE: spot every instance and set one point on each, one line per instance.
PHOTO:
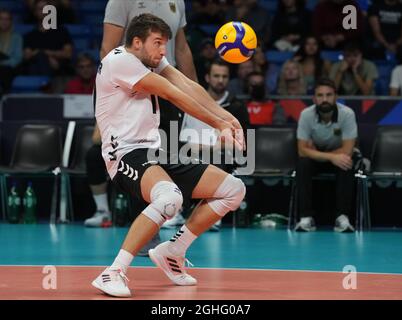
(113, 282)
(176, 221)
(342, 224)
(172, 266)
(99, 219)
(306, 224)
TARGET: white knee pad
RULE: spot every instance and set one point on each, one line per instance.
(166, 201)
(228, 196)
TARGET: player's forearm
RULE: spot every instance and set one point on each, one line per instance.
(344, 150)
(314, 154)
(186, 103)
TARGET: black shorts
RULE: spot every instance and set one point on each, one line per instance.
(133, 165)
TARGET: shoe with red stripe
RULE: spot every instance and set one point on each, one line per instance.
(172, 266)
(113, 282)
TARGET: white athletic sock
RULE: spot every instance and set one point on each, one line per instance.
(123, 260)
(101, 202)
(180, 242)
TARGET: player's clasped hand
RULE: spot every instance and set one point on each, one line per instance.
(232, 134)
(342, 161)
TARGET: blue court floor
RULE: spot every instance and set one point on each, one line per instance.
(376, 251)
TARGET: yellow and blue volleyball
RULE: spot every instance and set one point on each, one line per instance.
(235, 42)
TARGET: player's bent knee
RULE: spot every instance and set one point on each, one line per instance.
(228, 196)
(166, 201)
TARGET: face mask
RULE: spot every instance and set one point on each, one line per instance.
(326, 107)
(257, 92)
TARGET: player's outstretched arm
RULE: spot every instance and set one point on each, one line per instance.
(202, 97)
(155, 84)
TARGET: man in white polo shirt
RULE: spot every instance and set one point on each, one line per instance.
(326, 138)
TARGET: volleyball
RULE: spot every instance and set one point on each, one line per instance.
(235, 42)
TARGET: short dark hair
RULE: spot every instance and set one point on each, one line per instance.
(217, 62)
(325, 82)
(141, 26)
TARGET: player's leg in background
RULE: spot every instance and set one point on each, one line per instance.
(221, 192)
(97, 179)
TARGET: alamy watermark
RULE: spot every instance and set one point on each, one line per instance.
(350, 20)
(50, 19)
(350, 280)
(49, 282)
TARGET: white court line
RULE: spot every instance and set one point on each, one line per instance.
(202, 268)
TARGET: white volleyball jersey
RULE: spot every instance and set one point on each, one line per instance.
(127, 120)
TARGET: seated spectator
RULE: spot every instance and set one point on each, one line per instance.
(314, 67)
(396, 78)
(385, 20)
(269, 70)
(250, 12)
(10, 50)
(291, 23)
(84, 81)
(207, 53)
(291, 79)
(237, 86)
(261, 110)
(354, 75)
(327, 24)
(65, 11)
(326, 139)
(47, 52)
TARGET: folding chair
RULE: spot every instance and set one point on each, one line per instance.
(386, 163)
(77, 168)
(275, 156)
(37, 153)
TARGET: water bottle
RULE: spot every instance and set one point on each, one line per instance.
(29, 205)
(120, 210)
(14, 204)
(242, 218)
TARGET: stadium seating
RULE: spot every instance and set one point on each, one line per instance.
(209, 29)
(13, 6)
(384, 73)
(23, 28)
(29, 84)
(278, 57)
(81, 35)
(36, 153)
(332, 56)
(386, 165)
(270, 5)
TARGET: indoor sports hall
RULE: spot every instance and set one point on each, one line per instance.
(61, 225)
